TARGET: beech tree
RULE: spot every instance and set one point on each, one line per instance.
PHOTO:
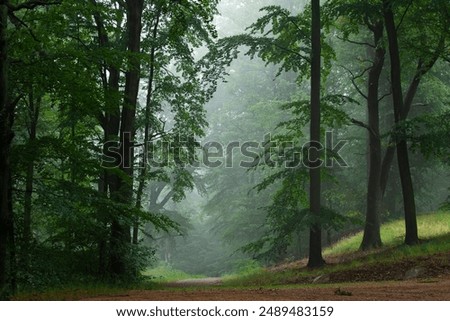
(315, 242)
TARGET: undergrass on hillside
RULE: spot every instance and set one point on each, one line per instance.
(392, 234)
(434, 230)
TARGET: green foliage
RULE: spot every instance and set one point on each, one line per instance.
(283, 40)
(429, 134)
(61, 59)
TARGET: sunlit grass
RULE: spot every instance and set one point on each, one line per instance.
(392, 234)
(434, 231)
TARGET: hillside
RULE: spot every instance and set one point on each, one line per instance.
(345, 263)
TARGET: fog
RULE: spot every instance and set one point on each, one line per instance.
(224, 218)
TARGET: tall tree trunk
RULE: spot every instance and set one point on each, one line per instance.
(5, 144)
(372, 238)
(110, 122)
(120, 230)
(315, 236)
(402, 147)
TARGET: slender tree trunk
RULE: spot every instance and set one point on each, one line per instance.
(372, 238)
(12, 242)
(34, 105)
(148, 112)
(402, 147)
(315, 238)
(422, 69)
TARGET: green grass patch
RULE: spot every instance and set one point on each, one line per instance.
(430, 226)
(165, 273)
(434, 230)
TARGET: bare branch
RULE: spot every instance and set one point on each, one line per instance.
(364, 125)
(384, 96)
(166, 199)
(357, 42)
(353, 79)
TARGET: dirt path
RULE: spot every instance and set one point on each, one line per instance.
(411, 279)
(412, 290)
(195, 282)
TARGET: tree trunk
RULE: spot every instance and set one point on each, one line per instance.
(12, 242)
(120, 230)
(421, 70)
(34, 105)
(372, 238)
(5, 144)
(315, 238)
(148, 111)
(402, 147)
(110, 122)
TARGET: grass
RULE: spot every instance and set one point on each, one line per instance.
(430, 226)
(165, 273)
(434, 230)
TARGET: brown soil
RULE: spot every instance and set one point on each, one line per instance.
(412, 290)
(385, 282)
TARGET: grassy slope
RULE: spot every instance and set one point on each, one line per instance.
(430, 226)
(434, 230)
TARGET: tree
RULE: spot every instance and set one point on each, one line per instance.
(315, 242)
(357, 14)
(402, 105)
(287, 44)
(402, 147)
(6, 136)
(8, 105)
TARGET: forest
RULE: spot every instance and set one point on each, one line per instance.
(220, 138)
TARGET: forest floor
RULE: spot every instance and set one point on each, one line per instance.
(421, 278)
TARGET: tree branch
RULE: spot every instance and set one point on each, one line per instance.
(404, 15)
(356, 77)
(385, 95)
(356, 42)
(364, 125)
(20, 23)
(31, 4)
